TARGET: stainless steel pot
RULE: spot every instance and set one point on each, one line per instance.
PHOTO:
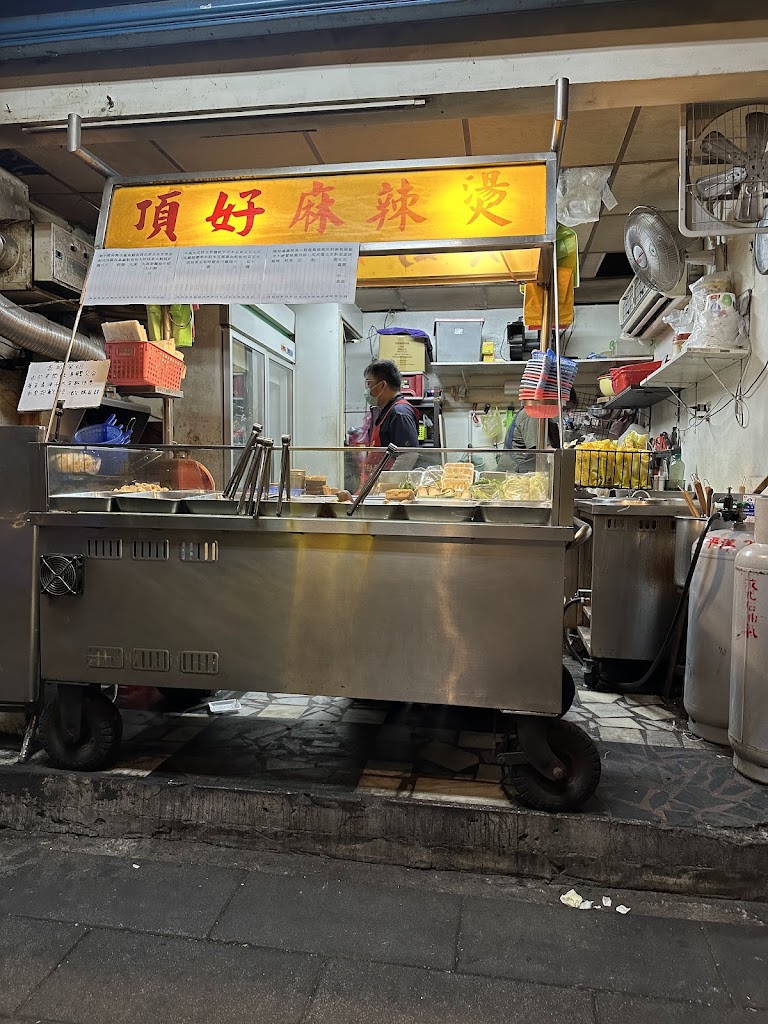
(687, 532)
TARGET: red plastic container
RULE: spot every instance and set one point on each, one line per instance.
(625, 376)
(413, 385)
(142, 363)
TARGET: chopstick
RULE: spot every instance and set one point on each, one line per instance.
(700, 495)
(691, 507)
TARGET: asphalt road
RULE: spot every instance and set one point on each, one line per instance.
(105, 932)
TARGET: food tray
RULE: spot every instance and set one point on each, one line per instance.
(92, 502)
(625, 376)
(437, 510)
(151, 501)
(502, 512)
(211, 505)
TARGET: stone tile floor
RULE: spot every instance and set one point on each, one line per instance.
(653, 769)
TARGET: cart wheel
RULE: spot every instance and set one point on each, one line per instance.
(594, 677)
(582, 760)
(101, 732)
(569, 692)
(181, 697)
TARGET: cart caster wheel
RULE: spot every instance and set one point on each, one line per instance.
(180, 698)
(594, 677)
(100, 735)
(582, 760)
(569, 692)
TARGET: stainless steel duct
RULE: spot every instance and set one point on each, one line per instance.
(34, 332)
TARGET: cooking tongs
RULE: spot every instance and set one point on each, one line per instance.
(285, 473)
(252, 476)
(391, 452)
(242, 463)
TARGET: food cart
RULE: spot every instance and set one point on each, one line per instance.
(120, 578)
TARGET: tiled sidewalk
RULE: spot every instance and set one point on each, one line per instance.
(653, 769)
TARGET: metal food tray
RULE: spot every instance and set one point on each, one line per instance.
(91, 501)
(151, 501)
(503, 512)
(440, 510)
(211, 504)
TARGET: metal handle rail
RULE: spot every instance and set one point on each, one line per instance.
(391, 452)
(239, 470)
(285, 473)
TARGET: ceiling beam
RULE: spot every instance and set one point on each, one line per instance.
(664, 74)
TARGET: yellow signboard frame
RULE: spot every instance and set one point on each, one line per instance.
(460, 205)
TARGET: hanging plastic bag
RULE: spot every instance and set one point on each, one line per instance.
(493, 425)
(581, 192)
(717, 323)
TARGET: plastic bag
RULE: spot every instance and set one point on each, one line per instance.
(581, 192)
(717, 323)
(493, 426)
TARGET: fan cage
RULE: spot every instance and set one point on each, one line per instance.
(717, 216)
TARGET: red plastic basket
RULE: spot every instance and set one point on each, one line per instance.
(141, 362)
(625, 376)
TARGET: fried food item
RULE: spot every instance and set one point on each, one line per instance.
(315, 484)
(140, 488)
(76, 462)
(458, 476)
(400, 494)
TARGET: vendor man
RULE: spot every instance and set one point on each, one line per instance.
(394, 420)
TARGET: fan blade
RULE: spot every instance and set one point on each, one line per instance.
(717, 186)
(752, 202)
(756, 125)
(716, 144)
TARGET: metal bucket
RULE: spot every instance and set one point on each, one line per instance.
(687, 532)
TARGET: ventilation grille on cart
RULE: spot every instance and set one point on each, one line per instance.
(61, 575)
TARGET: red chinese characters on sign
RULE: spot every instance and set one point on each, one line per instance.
(484, 197)
(396, 204)
(409, 261)
(752, 592)
(224, 211)
(164, 216)
(315, 207)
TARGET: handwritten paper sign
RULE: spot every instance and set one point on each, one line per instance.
(82, 388)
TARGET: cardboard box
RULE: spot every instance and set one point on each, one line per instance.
(408, 354)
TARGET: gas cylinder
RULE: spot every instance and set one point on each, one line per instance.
(748, 720)
(708, 651)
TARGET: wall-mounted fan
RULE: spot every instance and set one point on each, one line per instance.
(724, 168)
(655, 250)
(61, 574)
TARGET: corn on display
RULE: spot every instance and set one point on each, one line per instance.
(608, 464)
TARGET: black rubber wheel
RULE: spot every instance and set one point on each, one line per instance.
(181, 697)
(99, 740)
(582, 760)
(569, 692)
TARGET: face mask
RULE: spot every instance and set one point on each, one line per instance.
(369, 398)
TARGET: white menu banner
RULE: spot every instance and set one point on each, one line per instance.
(82, 387)
(250, 273)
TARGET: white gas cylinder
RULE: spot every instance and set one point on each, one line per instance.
(708, 651)
(748, 721)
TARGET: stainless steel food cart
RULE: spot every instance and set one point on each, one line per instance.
(447, 603)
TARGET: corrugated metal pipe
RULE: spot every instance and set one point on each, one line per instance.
(34, 332)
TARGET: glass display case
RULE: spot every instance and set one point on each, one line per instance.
(424, 485)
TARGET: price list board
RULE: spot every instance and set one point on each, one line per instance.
(295, 274)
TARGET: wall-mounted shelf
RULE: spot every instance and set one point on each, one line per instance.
(447, 371)
(638, 397)
(693, 365)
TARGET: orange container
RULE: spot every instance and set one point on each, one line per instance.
(142, 363)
